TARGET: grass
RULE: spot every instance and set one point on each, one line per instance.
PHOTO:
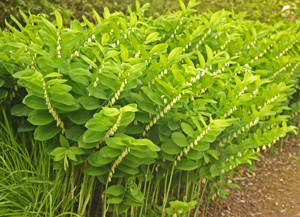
(28, 184)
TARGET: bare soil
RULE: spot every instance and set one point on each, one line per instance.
(271, 190)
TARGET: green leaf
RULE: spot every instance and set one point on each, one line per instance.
(110, 111)
(24, 74)
(128, 170)
(2, 81)
(76, 150)
(208, 138)
(97, 17)
(101, 122)
(106, 13)
(214, 153)
(91, 136)
(158, 48)
(80, 116)
(74, 132)
(186, 165)
(130, 108)
(88, 23)
(195, 155)
(207, 81)
(147, 106)
(174, 53)
(59, 20)
(59, 153)
(209, 54)
(182, 5)
(98, 92)
(215, 17)
(3, 94)
(110, 152)
(115, 200)
(96, 159)
(46, 132)
(115, 190)
(133, 19)
(19, 53)
(63, 141)
(170, 147)
(40, 117)
(179, 139)
(187, 129)
(202, 146)
(213, 170)
(65, 98)
(124, 52)
(145, 142)
(105, 38)
(95, 171)
(20, 110)
(88, 61)
(89, 102)
(152, 36)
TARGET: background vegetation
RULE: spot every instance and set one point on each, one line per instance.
(264, 10)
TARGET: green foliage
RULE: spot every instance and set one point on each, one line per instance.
(28, 184)
(148, 106)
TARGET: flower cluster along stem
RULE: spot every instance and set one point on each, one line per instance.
(262, 53)
(110, 175)
(168, 107)
(162, 113)
(114, 128)
(287, 49)
(51, 109)
(117, 94)
(295, 67)
(58, 46)
(116, 163)
(272, 99)
(239, 155)
(280, 70)
(32, 64)
(12, 94)
(191, 145)
(238, 132)
(202, 39)
(95, 84)
(223, 46)
(160, 75)
(252, 44)
(76, 53)
(177, 28)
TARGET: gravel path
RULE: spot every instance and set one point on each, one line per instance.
(272, 189)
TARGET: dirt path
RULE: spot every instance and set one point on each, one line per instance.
(272, 190)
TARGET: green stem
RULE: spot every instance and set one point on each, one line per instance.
(104, 201)
(187, 185)
(192, 196)
(148, 191)
(155, 194)
(179, 183)
(144, 192)
(167, 193)
(90, 190)
(81, 194)
(200, 199)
